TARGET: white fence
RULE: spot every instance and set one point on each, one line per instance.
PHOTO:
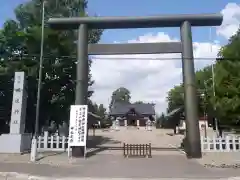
(52, 143)
(221, 144)
(229, 143)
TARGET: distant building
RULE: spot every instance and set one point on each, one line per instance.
(203, 123)
(177, 118)
(132, 114)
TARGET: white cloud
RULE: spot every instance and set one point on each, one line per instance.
(150, 80)
(231, 20)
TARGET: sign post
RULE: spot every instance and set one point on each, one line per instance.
(78, 127)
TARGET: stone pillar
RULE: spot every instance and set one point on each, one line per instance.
(17, 141)
(190, 95)
(138, 123)
(117, 124)
(19, 103)
(125, 122)
(148, 125)
(82, 76)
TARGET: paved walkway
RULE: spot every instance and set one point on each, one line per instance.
(160, 138)
(15, 176)
(108, 163)
(114, 166)
(219, 158)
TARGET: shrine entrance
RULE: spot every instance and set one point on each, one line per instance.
(185, 47)
(133, 122)
(132, 117)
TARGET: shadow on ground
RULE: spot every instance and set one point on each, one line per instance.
(94, 141)
(100, 149)
(49, 154)
(98, 144)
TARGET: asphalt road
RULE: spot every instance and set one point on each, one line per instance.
(113, 166)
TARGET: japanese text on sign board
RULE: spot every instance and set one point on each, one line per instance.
(16, 111)
(77, 129)
(80, 119)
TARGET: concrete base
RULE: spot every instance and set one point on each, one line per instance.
(78, 151)
(149, 128)
(15, 143)
(33, 156)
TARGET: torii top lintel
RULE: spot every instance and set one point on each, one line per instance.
(136, 22)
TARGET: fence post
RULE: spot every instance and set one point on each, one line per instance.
(215, 143)
(127, 150)
(140, 149)
(238, 144)
(202, 143)
(51, 142)
(221, 144)
(45, 139)
(150, 150)
(63, 141)
(39, 142)
(145, 149)
(234, 143)
(130, 149)
(227, 142)
(57, 142)
(208, 142)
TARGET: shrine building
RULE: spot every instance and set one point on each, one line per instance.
(132, 114)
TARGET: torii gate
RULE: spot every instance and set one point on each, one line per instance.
(83, 24)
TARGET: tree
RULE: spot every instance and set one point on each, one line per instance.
(226, 102)
(160, 121)
(102, 111)
(99, 110)
(138, 102)
(227, 99)
(120, 95)
(20, 49)
(175, 96)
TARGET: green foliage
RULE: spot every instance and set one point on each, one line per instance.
(19, 51)
(120, 95)
(227, 98)
(99, 110)
(160, 121)
(175, 98)
(227, 85)
(138, 102)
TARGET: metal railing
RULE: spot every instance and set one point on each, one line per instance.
(137, 150)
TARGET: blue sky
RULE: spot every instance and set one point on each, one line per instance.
(154, 7)
(139, 8)
(153, 79)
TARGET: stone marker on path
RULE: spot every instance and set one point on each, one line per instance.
(17, 140)
(117, 124)
(148, 125)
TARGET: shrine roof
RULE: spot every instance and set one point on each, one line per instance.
(124, 108)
